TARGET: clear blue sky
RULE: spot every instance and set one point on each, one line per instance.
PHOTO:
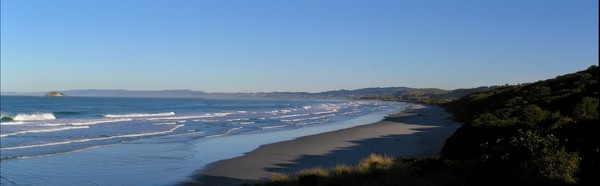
(276, 45)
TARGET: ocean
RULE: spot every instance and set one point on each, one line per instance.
(36, 130)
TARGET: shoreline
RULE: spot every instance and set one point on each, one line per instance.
(419, 130)
(167, 160)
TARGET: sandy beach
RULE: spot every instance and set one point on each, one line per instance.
(420, 130)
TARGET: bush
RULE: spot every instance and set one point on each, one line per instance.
(532, 158)
(586, 109)
(559, 167)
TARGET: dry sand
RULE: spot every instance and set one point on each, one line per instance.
(420, 130)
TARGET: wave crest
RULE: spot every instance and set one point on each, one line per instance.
(138, 115)
(43, 130)
(207, 115)
(33, 117)
(92, 139)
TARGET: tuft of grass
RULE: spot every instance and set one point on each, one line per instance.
(317, 171)
(313, 176)
(279, 177)
(377, 170)
(340, 170)
(374, 162)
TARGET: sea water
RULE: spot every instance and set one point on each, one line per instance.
(138, 134)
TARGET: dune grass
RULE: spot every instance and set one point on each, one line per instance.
(372, 170)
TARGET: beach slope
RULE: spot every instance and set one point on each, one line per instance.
(420, 130)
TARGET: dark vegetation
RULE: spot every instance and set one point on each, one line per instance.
(427, 95)
(543, 133)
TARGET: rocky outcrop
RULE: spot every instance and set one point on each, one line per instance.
(55, 94)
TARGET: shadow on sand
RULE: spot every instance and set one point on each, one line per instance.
(423, 142)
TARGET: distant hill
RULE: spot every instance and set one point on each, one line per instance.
(421, 94)
(119, 93)
(133, 93)
(458, 93)
(385, 91)
(426, 95)
(379, 93)
(338, 94)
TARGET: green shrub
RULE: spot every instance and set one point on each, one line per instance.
(557, 168)
(533, 158)
(586, 109)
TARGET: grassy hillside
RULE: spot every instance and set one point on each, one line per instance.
(543, 132)
(427, 95)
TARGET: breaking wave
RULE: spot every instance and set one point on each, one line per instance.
(43, 130)
(92, 139)
(10, 122)
(289, 116)
(224, 133)
(138, 115)
(208, 115)
(30, 117)
(92, 122)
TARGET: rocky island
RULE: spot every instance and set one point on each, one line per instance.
(55, 94)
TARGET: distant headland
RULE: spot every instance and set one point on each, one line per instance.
(55, 94)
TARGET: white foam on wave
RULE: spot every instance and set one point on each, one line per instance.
(350, 113)
(43, 130)
(271, 127)
(304, 119)
(282, 111)
(294, 120)
(92, 139)
(14, 123)
(166, 123)
(208, 115)
(206, 120)
(34, 117)
(321, 117)
(326, 112)
(237, 119)
(225, 133)
(289, 116)
(307, 107)
(93, 122)
(138, 115)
